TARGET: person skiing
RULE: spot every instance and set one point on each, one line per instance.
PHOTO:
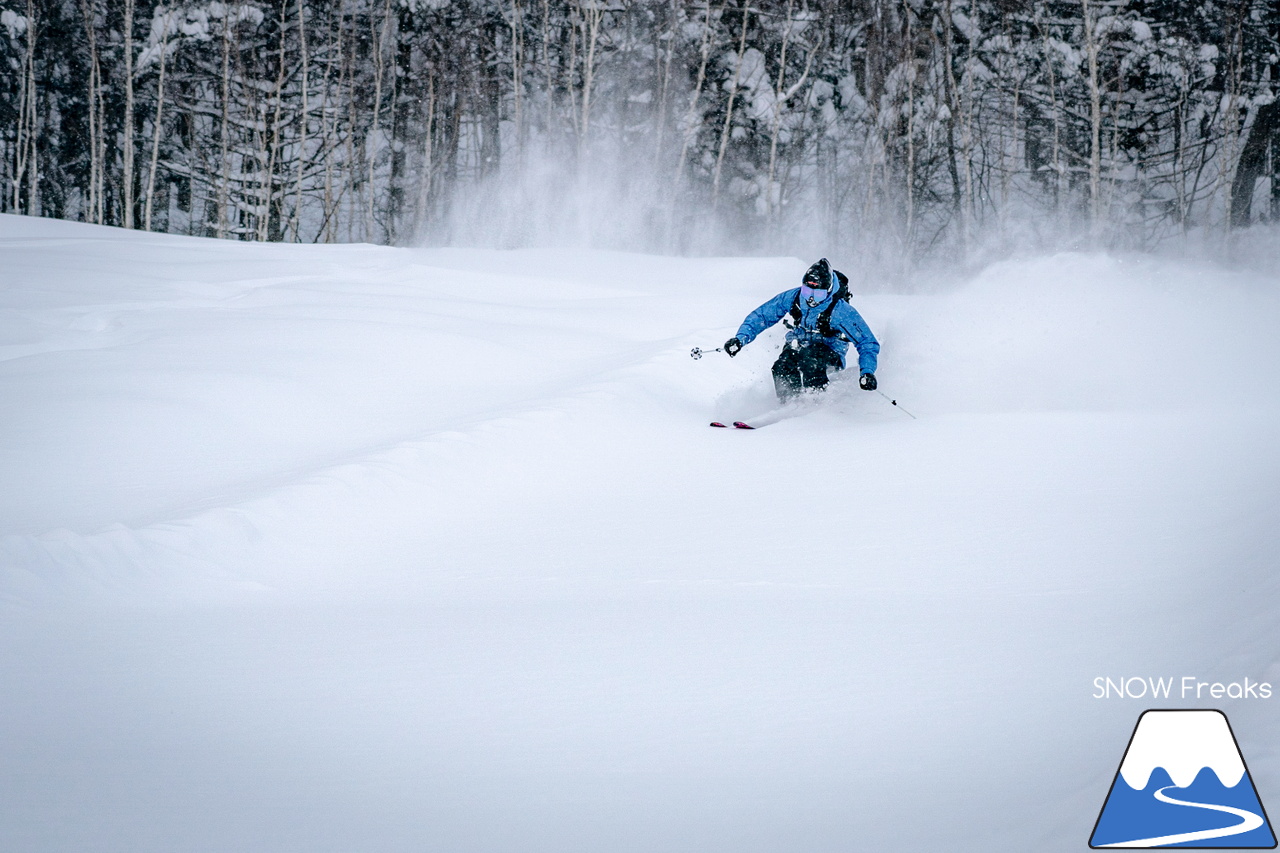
(821, 324)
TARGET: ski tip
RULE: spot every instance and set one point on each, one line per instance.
(742, 425)
(718, 424)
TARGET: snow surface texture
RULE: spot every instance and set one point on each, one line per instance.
(364, 549)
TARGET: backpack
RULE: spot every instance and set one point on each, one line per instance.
(823, 325)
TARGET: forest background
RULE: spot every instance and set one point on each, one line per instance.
(891, 129)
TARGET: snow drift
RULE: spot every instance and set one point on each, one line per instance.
(344, 547)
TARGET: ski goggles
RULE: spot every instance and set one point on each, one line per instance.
(811, 296)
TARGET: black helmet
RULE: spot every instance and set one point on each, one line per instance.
(818, 275)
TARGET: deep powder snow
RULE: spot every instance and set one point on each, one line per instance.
(346, 548)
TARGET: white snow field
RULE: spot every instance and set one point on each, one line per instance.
(347, 548)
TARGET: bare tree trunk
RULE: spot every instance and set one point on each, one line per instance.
(25, 147)
(224, 177)
(1012, 148)
(1229, 157)
(371, 144)
(127, 164)
(329, 130)
(781, 96)
(692, 113)
(593, 14)
(1095, 119)
(273, 150)
(1275, 178)
(690, 129)
(1058, 170)
(94, 105)
(956, 112)
(33, 158)
(352, 184)
(427, 172)
(1180, 157)
(159, 119)
(517, 77)
(486, 117)
(881, 36)
(195, 191)
(910, 63)
(775, 120)
(449, 152)
(546, 63)
(1009, 155)
(302, 158)
(967, 143)
(100, 192)
(664, 79)
(569, 84)
(1253, 162)
(728, 112)
(401, 66)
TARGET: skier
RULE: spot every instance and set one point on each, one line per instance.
(821, 325)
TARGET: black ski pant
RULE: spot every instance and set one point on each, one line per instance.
(803, 366)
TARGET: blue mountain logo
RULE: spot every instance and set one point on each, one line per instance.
(1183, 783)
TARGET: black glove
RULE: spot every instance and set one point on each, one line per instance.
(867, 382)
(733, 346)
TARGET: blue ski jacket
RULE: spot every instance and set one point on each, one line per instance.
(845, 320)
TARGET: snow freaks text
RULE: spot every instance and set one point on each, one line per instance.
(1186, 687)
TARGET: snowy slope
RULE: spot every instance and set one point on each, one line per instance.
(352, 548)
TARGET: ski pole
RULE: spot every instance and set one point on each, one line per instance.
(698, 352)
(895, 403)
